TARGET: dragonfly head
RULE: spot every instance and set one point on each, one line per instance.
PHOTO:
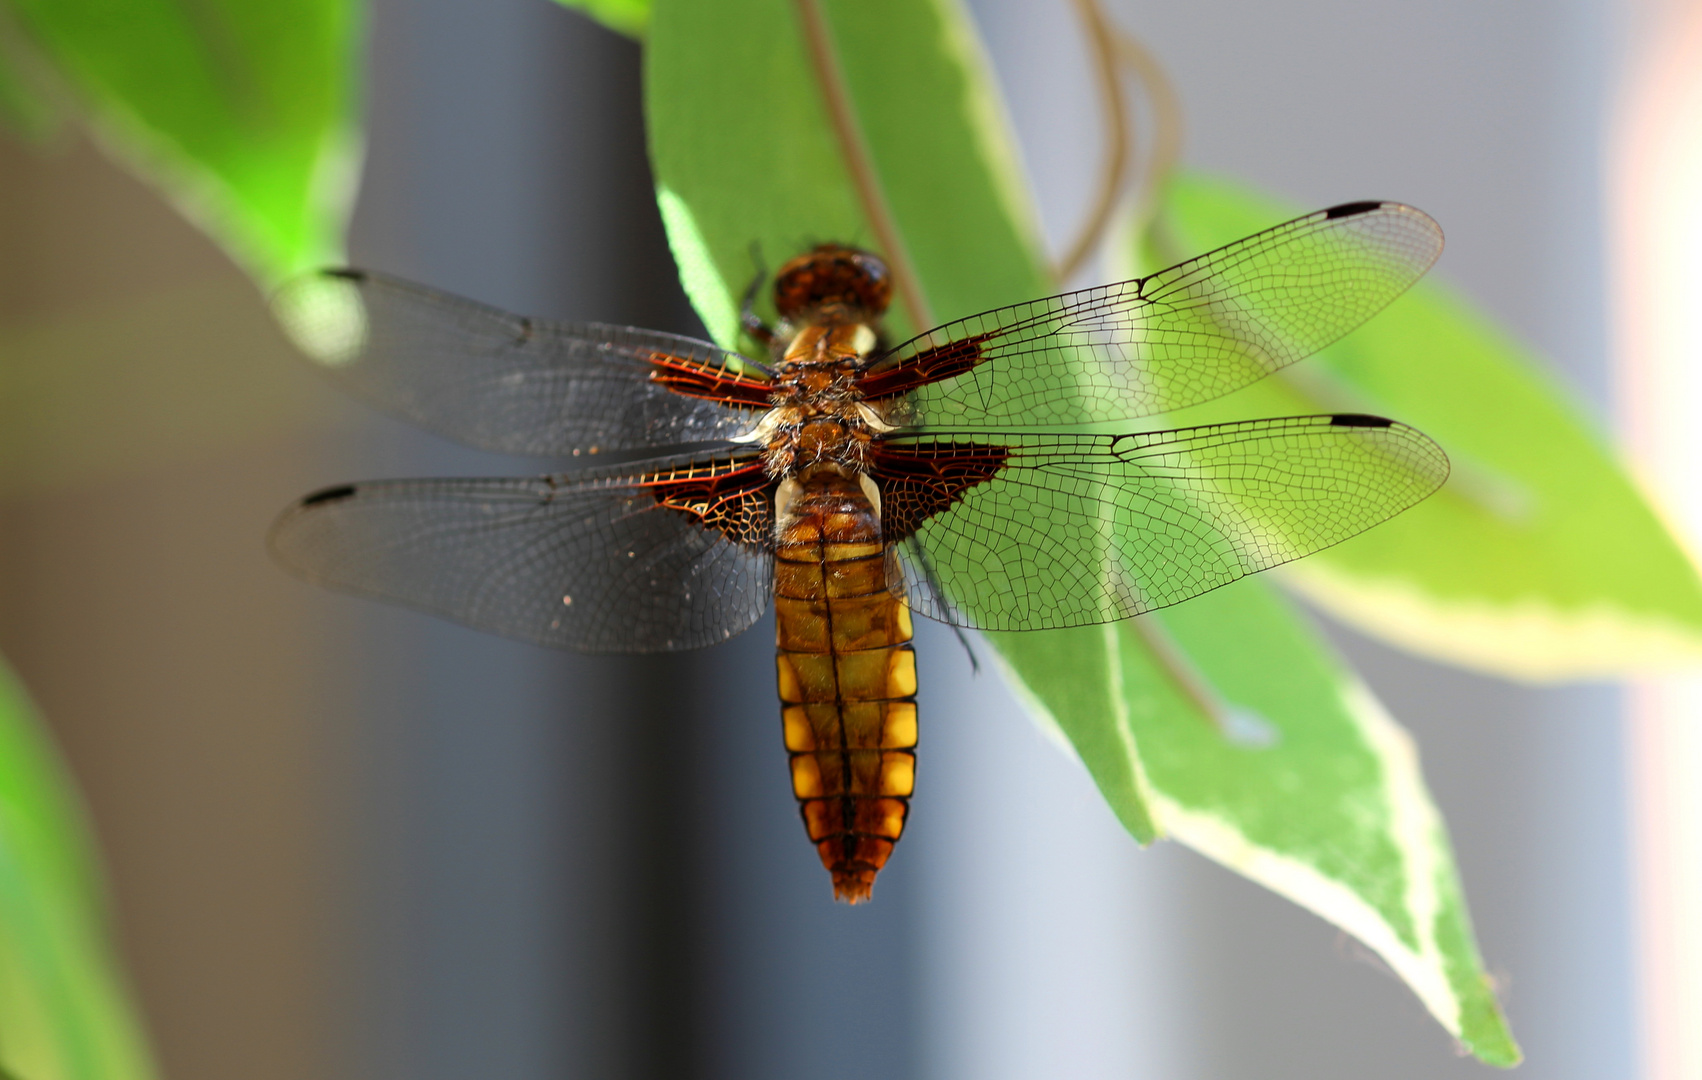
(833, 282)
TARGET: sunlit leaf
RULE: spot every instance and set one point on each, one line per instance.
(63, 1013)
(1298, 779)
(1200, 723)
(768, 176)
(241, 113)
(1540, 559)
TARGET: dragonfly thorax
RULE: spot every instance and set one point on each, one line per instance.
(836, 347)
(819, 414)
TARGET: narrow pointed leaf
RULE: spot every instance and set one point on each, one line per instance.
(745, 151)
(1540, 559)
(241, 113)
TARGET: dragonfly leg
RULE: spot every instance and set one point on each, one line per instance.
(758, 330)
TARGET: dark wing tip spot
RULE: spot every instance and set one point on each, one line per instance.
(1360, 420)
(1349, 209)
(346, 273)
(330, 494)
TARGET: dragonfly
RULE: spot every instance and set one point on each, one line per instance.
(847, 482)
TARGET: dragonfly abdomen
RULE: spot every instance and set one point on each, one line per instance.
(847, 678)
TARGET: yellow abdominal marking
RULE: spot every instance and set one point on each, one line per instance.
(846, 670)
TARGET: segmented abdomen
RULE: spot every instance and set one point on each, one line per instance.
(847, 681)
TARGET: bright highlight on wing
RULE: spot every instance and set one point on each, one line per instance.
(325, 318)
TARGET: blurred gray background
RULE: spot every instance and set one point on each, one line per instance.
(347, 841)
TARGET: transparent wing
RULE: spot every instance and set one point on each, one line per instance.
(1032, 532)
(1179, 337)
(515, 385)
(600, 565)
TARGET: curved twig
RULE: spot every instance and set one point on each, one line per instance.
(1113, 50)
(1104, 46)
(1166, 123)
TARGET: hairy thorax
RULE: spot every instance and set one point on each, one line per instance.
(818, 416)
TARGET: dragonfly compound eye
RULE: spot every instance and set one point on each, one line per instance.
(832, 279)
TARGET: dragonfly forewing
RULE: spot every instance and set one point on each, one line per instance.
(1176, 338)
(506, 383)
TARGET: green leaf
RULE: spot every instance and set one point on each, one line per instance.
(1539, 559)
(1334, 814)
(242, 113)
(768, 171)
(63, 1008)
(629, 17)
(1293, 775)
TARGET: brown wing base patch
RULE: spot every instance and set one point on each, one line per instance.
(929, 365)
(734, 497)
(695, 378)
(919, 480)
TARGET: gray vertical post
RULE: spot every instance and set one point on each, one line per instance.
(529, 915)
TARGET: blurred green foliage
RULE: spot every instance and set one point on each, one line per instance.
(243, 114)
(63, 1008)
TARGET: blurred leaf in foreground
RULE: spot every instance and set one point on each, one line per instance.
(1222, 722)
(30, 103)
(1540, 559)
(63, 1013)
(242, 113)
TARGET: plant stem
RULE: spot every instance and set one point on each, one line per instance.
(1166, 124)
(1182, 675)
(1115, 114)
(860, 163)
